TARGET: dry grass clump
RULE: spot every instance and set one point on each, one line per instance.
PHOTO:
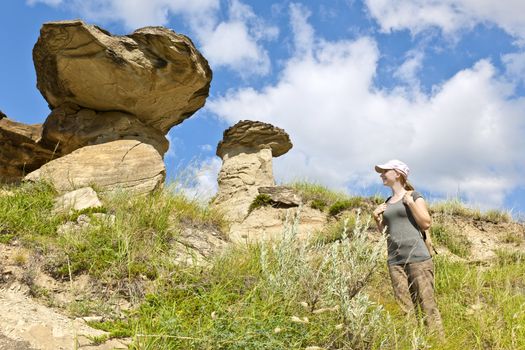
(127, 242)
(333, 202)
(452, 238)
(456, 208)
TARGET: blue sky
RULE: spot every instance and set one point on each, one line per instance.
(437, 84)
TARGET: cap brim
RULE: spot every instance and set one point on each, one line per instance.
(381, 168)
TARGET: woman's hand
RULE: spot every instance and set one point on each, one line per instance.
(379, 211)
(378, 216)
(408, 199)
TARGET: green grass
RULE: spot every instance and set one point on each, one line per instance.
(342, 205)
(481, 307)
(122, 252)
(322, 198)
(316, 192)
(261, 200)
(268, 295)
(455, 241)
(28, 211)
(334, 230)
(514, 238)
(266, 299)
(137, 244)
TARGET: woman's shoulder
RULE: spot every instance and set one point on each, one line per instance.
(416, 195)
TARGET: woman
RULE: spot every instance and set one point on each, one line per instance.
(410, 265)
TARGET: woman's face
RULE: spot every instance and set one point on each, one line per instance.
(389, 177)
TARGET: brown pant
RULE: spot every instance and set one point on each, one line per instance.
(413, 285)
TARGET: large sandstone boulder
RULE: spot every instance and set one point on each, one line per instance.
(247, 149)
(20, 152)
(153, 73)
(70, 127)
(126, 164)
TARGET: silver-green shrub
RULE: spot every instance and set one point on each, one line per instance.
(329, 277)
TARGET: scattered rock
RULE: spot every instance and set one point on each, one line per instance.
(153, 73)
(80, 199)
(125, 164)
(6, 193)
(282, 196)
(84, 221)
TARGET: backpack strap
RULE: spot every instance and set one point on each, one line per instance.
(425, 234)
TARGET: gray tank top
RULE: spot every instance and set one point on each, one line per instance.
(404, 241)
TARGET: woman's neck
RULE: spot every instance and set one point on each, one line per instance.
(398, 190)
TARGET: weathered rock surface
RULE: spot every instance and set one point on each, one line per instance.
(70, 127)
(246, 150)
(27, 323)
(153, 73)
(196, 246)
(268, 223)
(80, 199)
(20, 152)
(282, 196)
(125, 164)
(239, 180)
(249, 136)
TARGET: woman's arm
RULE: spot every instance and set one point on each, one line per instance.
(419, 210)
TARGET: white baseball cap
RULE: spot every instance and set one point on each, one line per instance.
(393, 164)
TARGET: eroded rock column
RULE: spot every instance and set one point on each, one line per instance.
(247, 150)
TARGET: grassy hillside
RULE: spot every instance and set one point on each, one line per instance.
(330, 293)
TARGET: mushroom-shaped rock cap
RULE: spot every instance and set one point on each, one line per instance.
(153, 73)
(254, 135)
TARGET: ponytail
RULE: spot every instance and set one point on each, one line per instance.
(406, 185)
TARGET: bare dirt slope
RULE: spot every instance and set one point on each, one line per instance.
(28, 323)
(485, 238)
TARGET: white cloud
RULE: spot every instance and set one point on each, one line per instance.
(206, 148)
(139, 13)
(199, 180)
(448, 15)
(235, 43)
(515, 66)
(303, 32)
(408, 71)
(468, 133)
